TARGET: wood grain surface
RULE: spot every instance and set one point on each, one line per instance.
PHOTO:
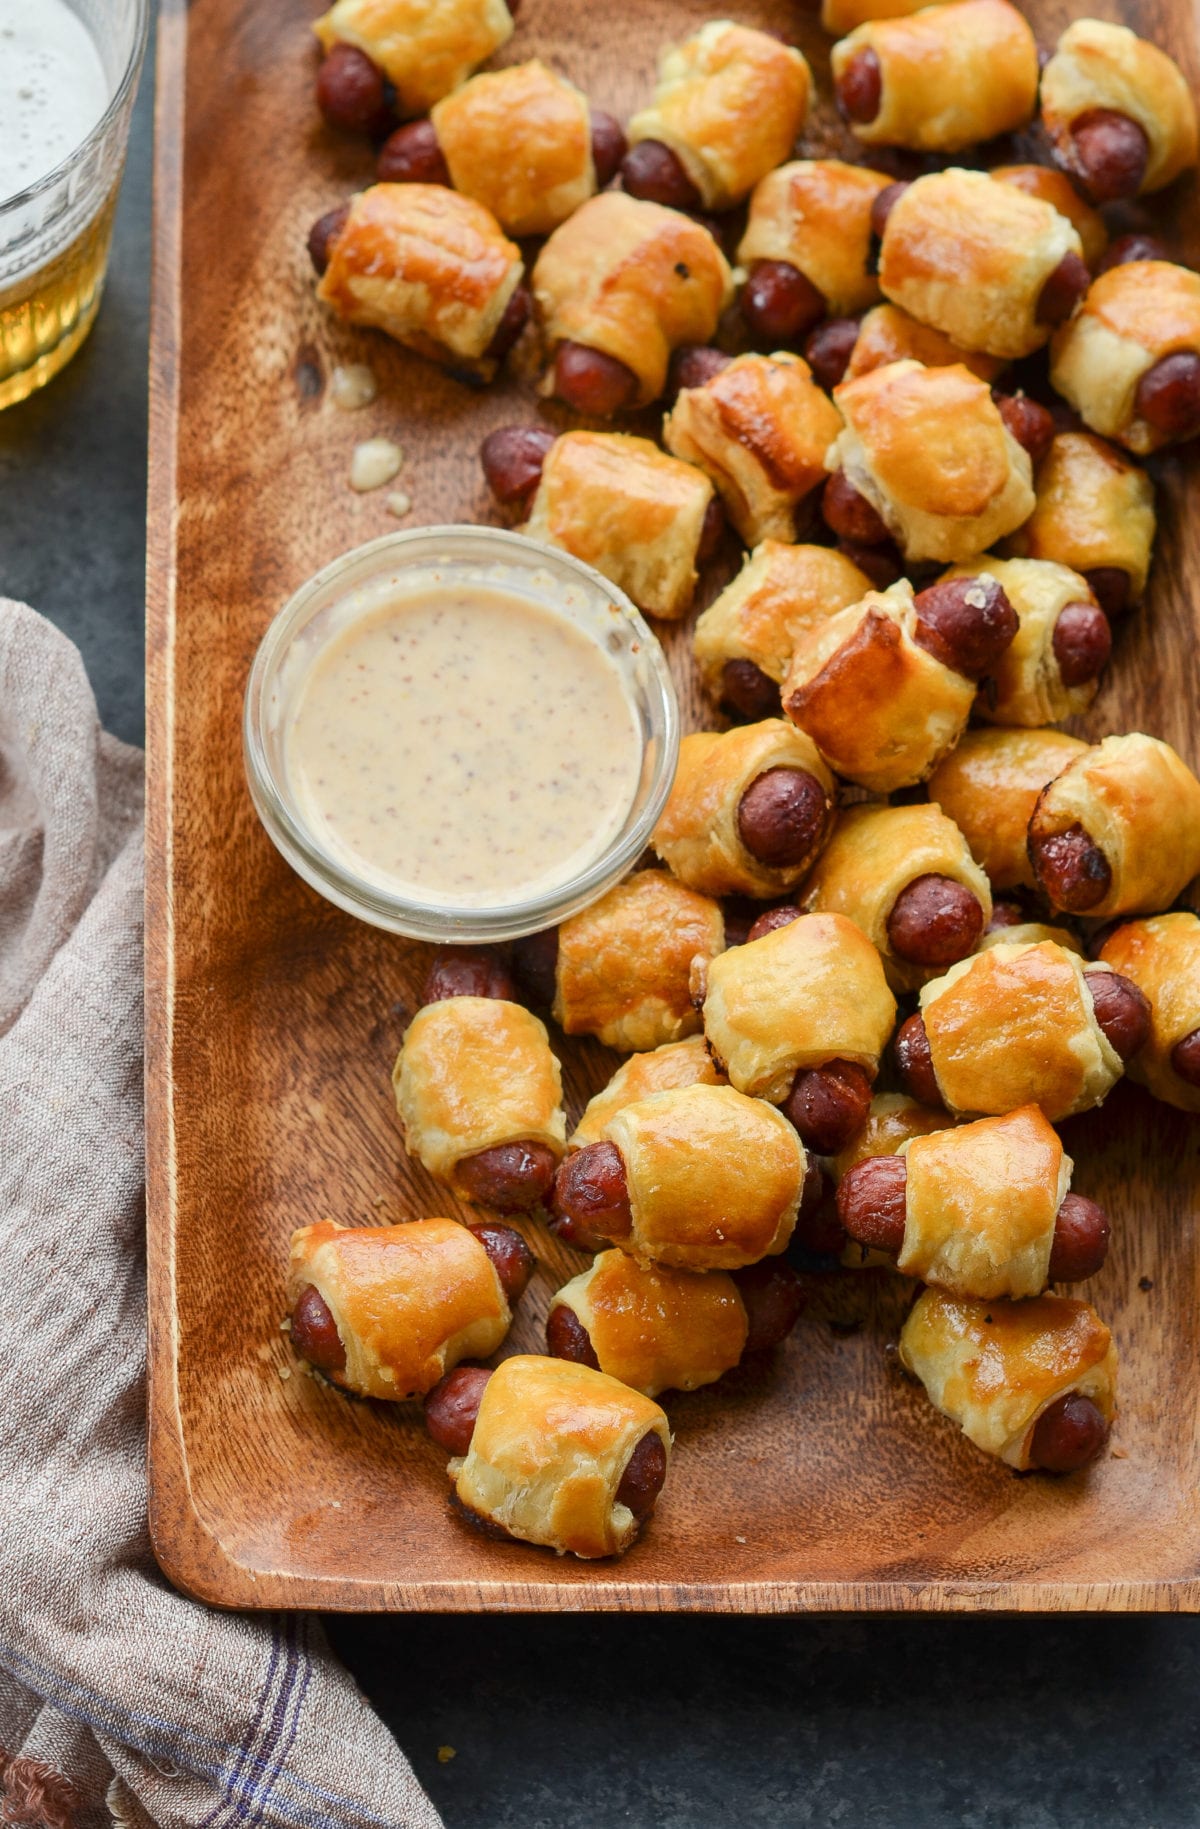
(822, 1481)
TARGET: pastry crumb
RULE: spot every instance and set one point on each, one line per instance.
(399, 504)
(446, 1754)
(740, 1540)
(285, 1371)
(352, 387)
(1118, 1454)
(375, 462)
(264, 1353)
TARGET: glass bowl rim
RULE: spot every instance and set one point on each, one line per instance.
(404, 914)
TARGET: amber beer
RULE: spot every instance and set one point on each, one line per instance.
(66, 90)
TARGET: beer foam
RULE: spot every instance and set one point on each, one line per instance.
(53, 89)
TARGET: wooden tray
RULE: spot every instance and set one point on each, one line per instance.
(273, 1020)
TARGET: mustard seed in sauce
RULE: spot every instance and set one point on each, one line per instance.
(463, 746)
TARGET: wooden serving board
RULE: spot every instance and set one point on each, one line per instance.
(822, 1481)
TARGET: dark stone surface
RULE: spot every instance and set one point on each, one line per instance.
(651, 1723)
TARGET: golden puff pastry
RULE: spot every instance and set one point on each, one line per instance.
(880, 708)
(730, 103)
(1162, 957)
(632, 280)
(654, 1328)
(425, 48)
(1134, 805)
(699, 835)
(949, 76)
(815, 215)
(760, 429)
(1026, 686)
(1058, 191)
(981, 1203)
(874, 855)
(431, 268)
(664, 1069)
(408, 1301)
(551, 1443)
(841, 16)
(624, 963)
(620, 504)
(1097, 65)
(520, 142)
(1030, 933)
(929, 450)
(989, 784)
(1134, 317)
(475, 1073)
(1095, 513)
(799, 997)
(714, 1178)
(1015, 1025)
(780, 592)
(888, 334)
(971, 257)
(995, 1367)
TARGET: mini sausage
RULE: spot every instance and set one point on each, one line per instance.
(746, 689)
(1123, 1011)
(1185, 1058)
(314, 1332)
(1109, 155)
(654, 173)
(779, 304)
(1130, 247)
(693, 365)
(512, 459)
(642, 1480)
(848, 514)
(412, 154)
(858, 90)
(591, 1197)
(512, 1177)
(1112, 587)
(882, 564)
(324, 232)
(1031, 424)
(1069, 1434)
(592, 382)
(770, 919)
(872, 1207)
(535, 962)
(1006, 914)
(914, 1063)
(828, 350)
(1071, 868)
(828, 1105)
(782, 816)
(882, 208)
(1063, 290)
(517, 314)
(467, 971)
(966, 623)
(353, 93)
(1082, 642)
(1168, 396)
(935, 921)
(452, 1407)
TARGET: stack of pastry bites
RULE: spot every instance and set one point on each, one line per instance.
(904, 925)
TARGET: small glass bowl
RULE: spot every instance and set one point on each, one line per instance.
(487, 557)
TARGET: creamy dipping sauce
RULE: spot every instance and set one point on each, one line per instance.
(462, 745)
